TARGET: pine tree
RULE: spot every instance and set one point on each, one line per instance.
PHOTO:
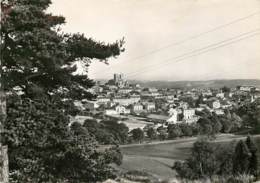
(38, 57)
(38, 60)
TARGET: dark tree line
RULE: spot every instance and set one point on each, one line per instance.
(107, 131)
(250, 113)
(230, 159)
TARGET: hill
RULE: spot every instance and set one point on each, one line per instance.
(199, 84)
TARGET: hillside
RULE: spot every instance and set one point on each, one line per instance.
(199, 84)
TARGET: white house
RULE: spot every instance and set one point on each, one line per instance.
(184, 105)
(103, 99)
(121, 110)
(150, 106)
(188, 114)
(216, 104)
(111, 112)
(137, 107)
(124, 90)
(219, 112)
(126, 100)
(173, 119)
(220, 95)
(213, 103)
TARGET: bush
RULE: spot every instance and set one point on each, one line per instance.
(208, 160)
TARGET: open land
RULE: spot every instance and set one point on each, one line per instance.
(157, 158)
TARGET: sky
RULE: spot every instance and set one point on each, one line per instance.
(170, 39)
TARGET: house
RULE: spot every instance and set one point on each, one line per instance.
(183, 105)
(103, 99)
(125, 101)
(79, 105)
(220, 95)
(173, 119)
(246, 88)
(188, 114)
(149, 106)
(213, 103)
(90, 105)
(110, 112)
(124, 90)
(207, 93)
(152, 90)
(173, 116)
(122, 110)
(219, 112)
(97, 89)
(216, 104)
(225, 104)
(137, 107)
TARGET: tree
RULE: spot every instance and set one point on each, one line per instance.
(174, 131)
(137, 134)
(187, 130)
(227, 125)
(151, 133)
(38, 60)
(205, 126)
(253, 161)
(199, 101)
(225, 89)
(42, 148)
(250, 115)
(202, 163)
(227, 159)
(119, 131)
(162, 133)
(224, 155)
(241, 158)
(91, 125)
(216, 125)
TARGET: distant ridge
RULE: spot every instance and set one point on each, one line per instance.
(199, 84)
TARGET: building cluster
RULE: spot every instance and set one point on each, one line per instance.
(118, 98)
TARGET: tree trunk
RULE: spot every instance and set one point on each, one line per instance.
(4, 172)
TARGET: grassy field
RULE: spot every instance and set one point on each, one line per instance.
(157, 158)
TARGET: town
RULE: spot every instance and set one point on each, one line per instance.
(114, 91)
(142, 107)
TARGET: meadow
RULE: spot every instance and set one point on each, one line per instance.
(157, 158)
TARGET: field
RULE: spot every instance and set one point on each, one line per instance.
(158, 157)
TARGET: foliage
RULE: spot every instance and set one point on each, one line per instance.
(137, 134)
(241, 158)
(253, 161)
(162, 133)
(174, 131)
(42, 148)
(250, 114)
(38, 57)
(39, 61)
(107, 131)
(151, 133)
(210, 123)
(118, 130)
(209, 160)
(225, 89)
